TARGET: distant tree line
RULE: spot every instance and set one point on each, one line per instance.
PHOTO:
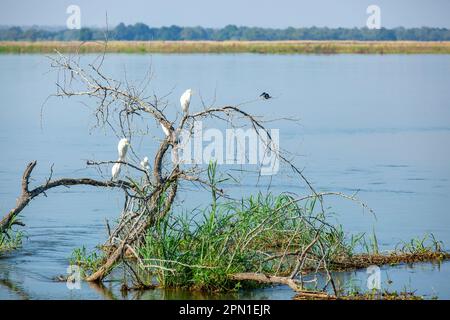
(140, 31)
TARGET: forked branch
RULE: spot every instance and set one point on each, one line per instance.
(27, 195)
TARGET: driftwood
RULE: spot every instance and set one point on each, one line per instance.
(292, 283)
(263, 278)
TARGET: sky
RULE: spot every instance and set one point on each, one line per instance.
(215, 13)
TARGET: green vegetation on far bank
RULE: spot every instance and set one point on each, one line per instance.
(263, 47)
(143, 32)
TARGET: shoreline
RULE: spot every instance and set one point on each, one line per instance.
(229, 47)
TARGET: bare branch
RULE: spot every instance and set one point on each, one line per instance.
(27, 195)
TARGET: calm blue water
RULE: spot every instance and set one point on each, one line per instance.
(377, 124)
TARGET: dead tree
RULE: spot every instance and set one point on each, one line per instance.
(142, 208)
(117, 106)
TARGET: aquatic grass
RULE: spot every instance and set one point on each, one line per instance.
(87, 261)
(261, 233)
(370, 244)
(10, 239)
(424, 245)
(190, 254)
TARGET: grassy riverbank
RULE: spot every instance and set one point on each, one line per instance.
(268, 47)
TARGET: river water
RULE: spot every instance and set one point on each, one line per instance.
(376, 124)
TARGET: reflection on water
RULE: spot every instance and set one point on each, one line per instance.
(376, 125)
(13, 289)
(423, 279)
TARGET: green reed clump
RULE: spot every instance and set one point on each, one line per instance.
(89, 262)
(265, 233)
(10, 239)
(261, 233)
(424, 245)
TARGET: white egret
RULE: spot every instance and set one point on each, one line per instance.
(166, 131)
(185, 100)
(122, 148)
(115, 171)
(144, 163)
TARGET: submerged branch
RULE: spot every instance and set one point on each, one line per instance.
(263, 278)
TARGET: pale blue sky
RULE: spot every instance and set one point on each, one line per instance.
(213, 13)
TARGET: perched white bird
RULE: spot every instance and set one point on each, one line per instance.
(166, 131)
(115, 171)
(122, 148)
(144, 163)
(185, 100)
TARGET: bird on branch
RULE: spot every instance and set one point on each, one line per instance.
(265, 96)
(122, 149)
(185, 100)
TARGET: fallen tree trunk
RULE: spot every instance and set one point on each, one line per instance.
(292, 283)
(263, 278)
